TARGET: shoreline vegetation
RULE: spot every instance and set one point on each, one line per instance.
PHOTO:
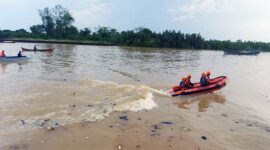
(57, 27)
(55, 41)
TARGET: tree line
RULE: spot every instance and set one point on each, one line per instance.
(57, 23)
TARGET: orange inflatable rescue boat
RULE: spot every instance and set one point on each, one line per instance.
(217, 83)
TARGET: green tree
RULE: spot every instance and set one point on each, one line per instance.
(63, 21)
(37, 29)
(85, 33)
(57, 21)
(71, 33)
(47, 21)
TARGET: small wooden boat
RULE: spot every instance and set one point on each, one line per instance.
(38, 50)
(13, 59)
(241, 52)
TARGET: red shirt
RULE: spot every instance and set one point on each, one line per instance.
(2, 54)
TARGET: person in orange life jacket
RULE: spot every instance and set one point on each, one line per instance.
(2, 53)
(208, 73)
(205, 81)
(188, 82)
(182, 83)
(185, 83)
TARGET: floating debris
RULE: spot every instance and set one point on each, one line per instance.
(23, 122)
(48, 124)
(156, 127)
(224, 115)
(73, 106)
(49, 128)
(204, 137)
(123, 118)
(166, 122)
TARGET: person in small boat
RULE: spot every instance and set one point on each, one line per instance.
(188, 82)
(205, 81)
(35, 48)
(208, 73)
(185, 83)
(20, 54)
(182, 83)
(2, 53)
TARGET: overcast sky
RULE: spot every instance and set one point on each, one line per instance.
(215, 19)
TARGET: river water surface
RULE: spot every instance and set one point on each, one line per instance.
(87, 83)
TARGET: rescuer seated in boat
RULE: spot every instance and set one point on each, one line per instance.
(185, 83)
(205, 81)
(208, 73)
(2, 53)
(182, 83)
(20, 54)
(188, 82)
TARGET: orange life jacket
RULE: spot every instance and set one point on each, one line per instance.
(188, 83)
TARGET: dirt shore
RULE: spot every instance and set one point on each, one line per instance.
(164, 127)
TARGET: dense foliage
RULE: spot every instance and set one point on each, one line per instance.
(57, 23)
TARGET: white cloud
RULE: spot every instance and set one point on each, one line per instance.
(190, 10)
(91, 13)
(255, 30)
(223, 19)
(197, 8)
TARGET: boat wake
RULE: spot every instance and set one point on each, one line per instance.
(56, 104)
